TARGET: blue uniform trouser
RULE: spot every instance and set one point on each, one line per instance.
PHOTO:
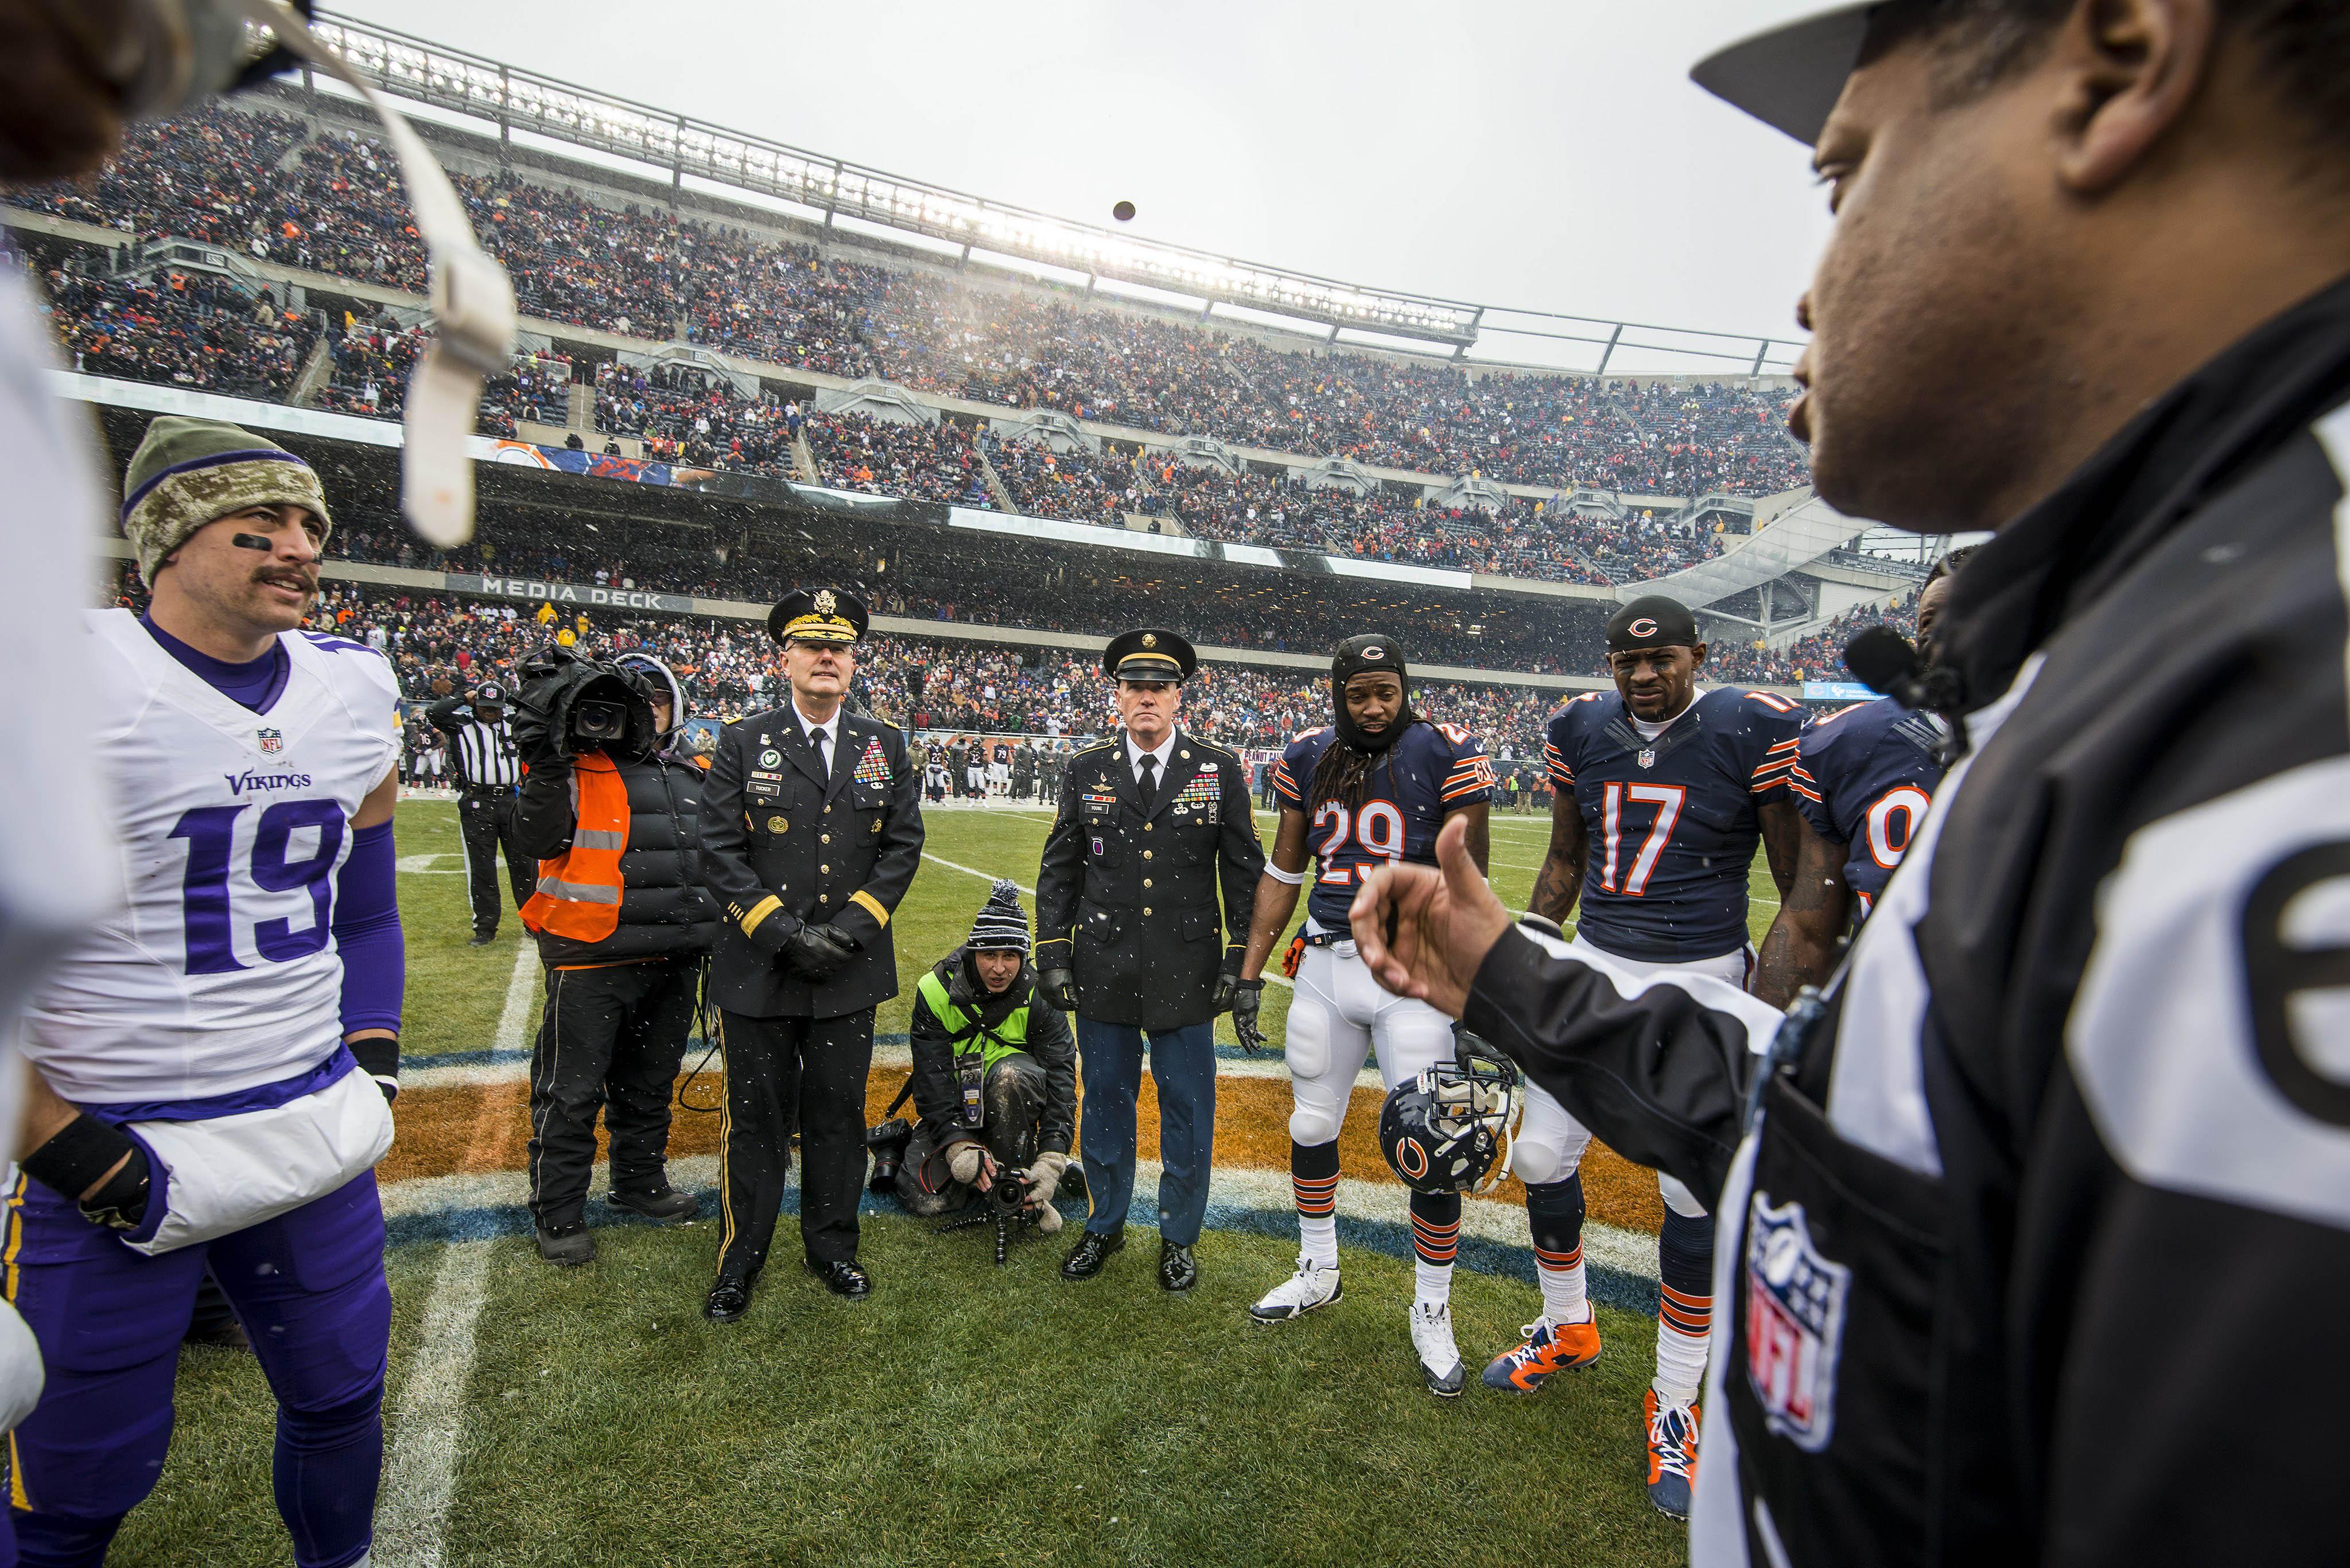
(1183, 1062)
(308, 1287)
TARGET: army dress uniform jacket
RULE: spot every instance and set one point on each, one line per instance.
(1126, 901)
(782, 844)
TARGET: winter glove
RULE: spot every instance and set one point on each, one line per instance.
(816, 953)
(967, 1162)
(1044, 1181)
(1247, 996)
(1060, 988)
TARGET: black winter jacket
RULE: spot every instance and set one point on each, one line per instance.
(664, 913)
(937, 1095)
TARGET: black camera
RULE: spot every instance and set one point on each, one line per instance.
(1009, 1190)
(598, 724)
(888, 1142)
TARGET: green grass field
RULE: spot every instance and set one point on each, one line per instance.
(963, 1415)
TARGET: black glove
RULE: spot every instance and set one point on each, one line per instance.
(1060, 988)
(1247, 996)
(1228, 985)
(816, 953)
(537, 724)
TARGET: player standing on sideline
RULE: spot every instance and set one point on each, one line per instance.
(1864, 777)
(1662, 795)
(489, 774)
(1376, 787)
(235, 1029)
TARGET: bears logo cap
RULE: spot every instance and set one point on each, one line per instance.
(1652, 621)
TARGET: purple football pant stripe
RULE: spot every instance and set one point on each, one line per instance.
(309, 1289)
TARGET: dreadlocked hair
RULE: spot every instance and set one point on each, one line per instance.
(1343, 774)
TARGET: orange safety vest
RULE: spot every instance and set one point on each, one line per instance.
(579, 892)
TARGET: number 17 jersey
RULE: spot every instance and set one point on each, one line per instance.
(219, 972)
(1670, 824)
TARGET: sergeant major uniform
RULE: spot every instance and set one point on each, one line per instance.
(811, 835)
(1127, 919)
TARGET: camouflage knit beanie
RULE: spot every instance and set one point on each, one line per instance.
(188, 472)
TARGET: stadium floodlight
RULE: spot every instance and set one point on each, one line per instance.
(1790, 74)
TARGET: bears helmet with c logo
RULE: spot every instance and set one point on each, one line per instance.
(1448, 1128)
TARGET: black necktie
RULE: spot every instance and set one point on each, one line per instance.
(817, 738)
(1148, 785)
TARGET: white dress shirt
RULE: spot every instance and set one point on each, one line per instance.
(1164, 749)
(829, 730)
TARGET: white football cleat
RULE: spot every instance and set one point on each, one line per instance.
(1440, 1358)
(1313, 1285)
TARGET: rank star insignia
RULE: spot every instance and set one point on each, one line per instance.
(272, 740)
(1647, 759)
(824, 601)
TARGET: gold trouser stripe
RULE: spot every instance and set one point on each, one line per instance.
(760, 911)
(18, 1496)
(726, 1144)
(872, 906)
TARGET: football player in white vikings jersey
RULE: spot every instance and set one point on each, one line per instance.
(215, 1061)
(1376, 786)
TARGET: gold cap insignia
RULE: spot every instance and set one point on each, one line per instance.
(824, 601)
(1149, 640)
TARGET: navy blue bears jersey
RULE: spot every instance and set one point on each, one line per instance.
(1672, 824)
(1431, 771)
(1864, 777)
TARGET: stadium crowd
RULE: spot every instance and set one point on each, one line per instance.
(191, 329)
(334, 203)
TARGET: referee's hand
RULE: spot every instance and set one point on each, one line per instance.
(1425, 930)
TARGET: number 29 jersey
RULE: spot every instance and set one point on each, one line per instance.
(219, 972)
(1431, 771)
(1671, 824)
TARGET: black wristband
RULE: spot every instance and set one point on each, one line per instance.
(83, 1151)
(377, 1056)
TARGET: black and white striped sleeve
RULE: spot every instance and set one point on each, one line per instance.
(1656, 1066)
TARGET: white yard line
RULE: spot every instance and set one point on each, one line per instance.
(421, 1475)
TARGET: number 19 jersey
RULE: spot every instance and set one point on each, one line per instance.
(219, 973)
(1431, 771)
(1669, 824)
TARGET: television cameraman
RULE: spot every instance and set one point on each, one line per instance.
(995, 1073)
(610, 805)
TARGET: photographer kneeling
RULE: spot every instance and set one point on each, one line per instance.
(995, 1073)
(611, 810)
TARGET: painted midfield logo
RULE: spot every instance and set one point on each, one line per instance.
(272, 742)
(1794, 1324)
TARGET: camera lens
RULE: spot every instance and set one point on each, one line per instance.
(598, 720)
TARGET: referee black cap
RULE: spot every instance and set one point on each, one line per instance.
(1652, 621)
(490, 694)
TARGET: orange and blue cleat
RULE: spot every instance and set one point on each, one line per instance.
(1549, 1347)
(1673, 1456)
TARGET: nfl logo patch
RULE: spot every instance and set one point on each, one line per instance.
(272, 740)
(1648, 759)
(1794, 1324)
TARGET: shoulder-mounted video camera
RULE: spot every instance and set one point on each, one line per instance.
(569, 705)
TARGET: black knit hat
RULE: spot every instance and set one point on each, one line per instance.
(1001, 922)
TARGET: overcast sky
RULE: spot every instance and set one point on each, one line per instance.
(1546, 155)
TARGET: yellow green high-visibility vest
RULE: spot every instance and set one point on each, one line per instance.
(995, 1043)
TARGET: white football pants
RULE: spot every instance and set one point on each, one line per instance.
(1339, 1015)
(1551, 1143)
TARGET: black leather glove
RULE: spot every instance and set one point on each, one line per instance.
(816, 953)
(1227, 986)
(1247, 996)
(1060, 988)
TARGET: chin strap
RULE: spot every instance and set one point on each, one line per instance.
(472, 308)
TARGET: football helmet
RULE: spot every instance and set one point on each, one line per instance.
(1449, 1129)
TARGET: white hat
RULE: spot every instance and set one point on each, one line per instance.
(1790, 75)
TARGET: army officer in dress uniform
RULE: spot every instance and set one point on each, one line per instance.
(1129, 932)
(812, 828)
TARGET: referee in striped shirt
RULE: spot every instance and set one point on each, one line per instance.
(482, 752)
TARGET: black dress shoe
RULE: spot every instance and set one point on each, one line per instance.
(842, 1277)
(665, 1206)
(482, 941)
(1178, 1270)
(729, 1300)
(1092, 1251)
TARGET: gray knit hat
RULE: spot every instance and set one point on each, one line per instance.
(1001, 922)
(188, 472)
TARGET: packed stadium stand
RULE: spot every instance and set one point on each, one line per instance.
(1458, 470)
